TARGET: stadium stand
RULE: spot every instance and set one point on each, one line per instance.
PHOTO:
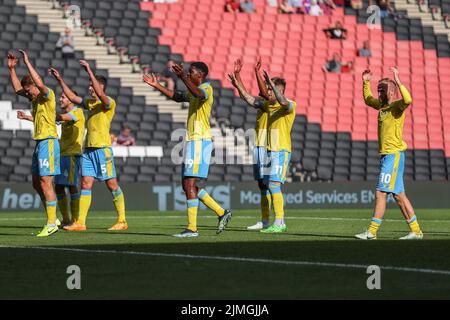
(334, 134)
(18, 30)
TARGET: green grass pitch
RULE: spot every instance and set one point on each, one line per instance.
(145, 262)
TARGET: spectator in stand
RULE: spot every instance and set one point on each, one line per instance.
(356, 4)
(125, 138)
(365, 50)
(385, 7)
(327, 6)
(347, 67)
(247, 6)
(232, 6)
(333, 65)
(297, 5)
(113, 139)
(168, 76)
(285, 7)
(66, 44)
(336, 32)
(315, 9)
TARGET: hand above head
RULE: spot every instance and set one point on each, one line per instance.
(179, 70)
(268, 79)
(86, 65)
(150, 79)
(55, 73)
(394, 70)
(367, 75)
(238, 66)
(12, 60)
(233, 80)
(258, 64)
(25, 57)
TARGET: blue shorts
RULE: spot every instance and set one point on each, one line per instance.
(278, 166)
(197, 157)
(98, 163)
(392, 167)
(260, 162)
(70, 171)
(46, 158)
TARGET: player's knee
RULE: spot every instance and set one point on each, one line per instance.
(46, 182)
(399, 197)
(86, 184)
(381, 195)
(112, 184)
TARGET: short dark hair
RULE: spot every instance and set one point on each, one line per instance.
(125, 127)
(279, 81)
(201, 66)
(390, 81)
(102, 80)
(27, 81)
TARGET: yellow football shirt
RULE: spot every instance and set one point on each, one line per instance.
(99, 122)
(44, 116)
(391, 120)
(72, 134)
(280, 124)
(198, 123)
(262, 117)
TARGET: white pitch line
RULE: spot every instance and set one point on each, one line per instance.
(234, 217)
(235, 259)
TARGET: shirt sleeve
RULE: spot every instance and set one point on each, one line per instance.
(47, 95)
(368, 97)
(110, 104)
(406, 100)
(74, 114)
(206, 89)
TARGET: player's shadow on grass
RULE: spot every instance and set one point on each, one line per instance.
(243, 229)
(20, 227)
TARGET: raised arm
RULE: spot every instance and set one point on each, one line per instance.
(247, 97)
(263, 91)
(193, 89)
(176, 96)
(12, 62)
(95, 84)
(285, 103)
(67, 91)
(367, 92)
(34, 75)
(406, 96)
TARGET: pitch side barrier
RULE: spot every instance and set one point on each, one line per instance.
(170, 196)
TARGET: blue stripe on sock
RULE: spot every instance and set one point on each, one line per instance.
(86, 192)
(50, 203)
(192, 203)
(75, 196)
(201, 193)
(60, 196)
(412, 219)
(377, 221)
(116, 193)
